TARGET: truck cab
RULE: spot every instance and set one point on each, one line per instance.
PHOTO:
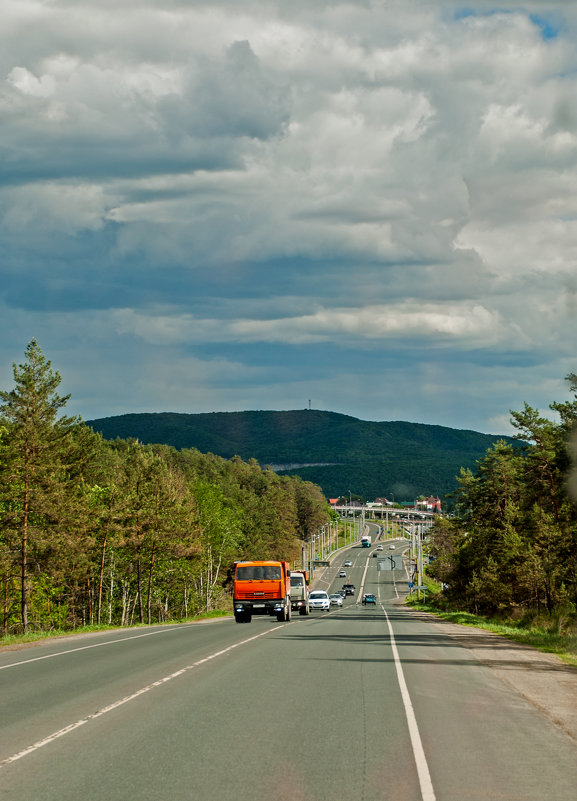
(261, 588)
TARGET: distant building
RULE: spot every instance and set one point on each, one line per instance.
(382, 502)
(343, 501)
(429, 504)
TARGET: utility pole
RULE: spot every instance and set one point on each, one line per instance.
(419, 559)
(413, 550)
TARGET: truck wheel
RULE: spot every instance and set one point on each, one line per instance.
(239, 617)
(280, 617)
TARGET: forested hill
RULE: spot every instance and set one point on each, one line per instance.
(340, 453)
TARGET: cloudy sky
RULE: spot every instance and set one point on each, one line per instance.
(220, 205)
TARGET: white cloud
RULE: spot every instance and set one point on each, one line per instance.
(55, 207)
(458, 325)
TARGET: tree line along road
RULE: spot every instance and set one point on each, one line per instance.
(362, 703)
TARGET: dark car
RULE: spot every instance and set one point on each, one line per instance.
(369, 598)
(349, 589)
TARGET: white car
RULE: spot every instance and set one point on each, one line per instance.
(319, 599)
(336, 599)
(342, 574)
(392, 547)
(348, 563)
(379, 547)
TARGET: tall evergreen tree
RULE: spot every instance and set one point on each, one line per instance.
(32, 470)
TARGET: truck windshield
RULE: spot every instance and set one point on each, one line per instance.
(297, 581)
(258, 573)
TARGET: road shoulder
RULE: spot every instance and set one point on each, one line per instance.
(542, 679)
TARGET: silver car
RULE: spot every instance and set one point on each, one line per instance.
(336, 599)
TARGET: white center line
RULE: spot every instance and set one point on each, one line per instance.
(360, 594)
(427, 792)
(67, 729)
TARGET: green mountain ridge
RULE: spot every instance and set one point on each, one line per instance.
(340, 453)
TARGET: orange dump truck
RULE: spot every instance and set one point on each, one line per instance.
(261, 588)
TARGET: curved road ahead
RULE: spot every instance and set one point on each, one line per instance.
(362, 703)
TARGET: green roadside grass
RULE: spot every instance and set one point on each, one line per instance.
(555, 634)
(35, 636)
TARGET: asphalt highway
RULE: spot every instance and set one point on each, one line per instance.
(361, 703)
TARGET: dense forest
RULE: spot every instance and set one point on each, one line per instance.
(340, 453)
(120, 532)
(512, 546)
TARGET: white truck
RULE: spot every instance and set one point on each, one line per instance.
(300, 592)
(366, 541)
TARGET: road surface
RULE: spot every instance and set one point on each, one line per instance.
(362, 703)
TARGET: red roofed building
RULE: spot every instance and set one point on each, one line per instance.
(430, 504)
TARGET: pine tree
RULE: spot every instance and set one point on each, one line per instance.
(32, 470)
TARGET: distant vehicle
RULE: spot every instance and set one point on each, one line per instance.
(336, 599)
(369, 598)
(342, 574)
(349, 589)
(348, 563)
(366, 541)
(375, 553)
(319, 599)
(342, 593)
(300, 592)
(392, 547)
(379, 547)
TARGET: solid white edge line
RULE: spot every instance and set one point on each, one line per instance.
(427, 791)
(94, 645)
(67, 729)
